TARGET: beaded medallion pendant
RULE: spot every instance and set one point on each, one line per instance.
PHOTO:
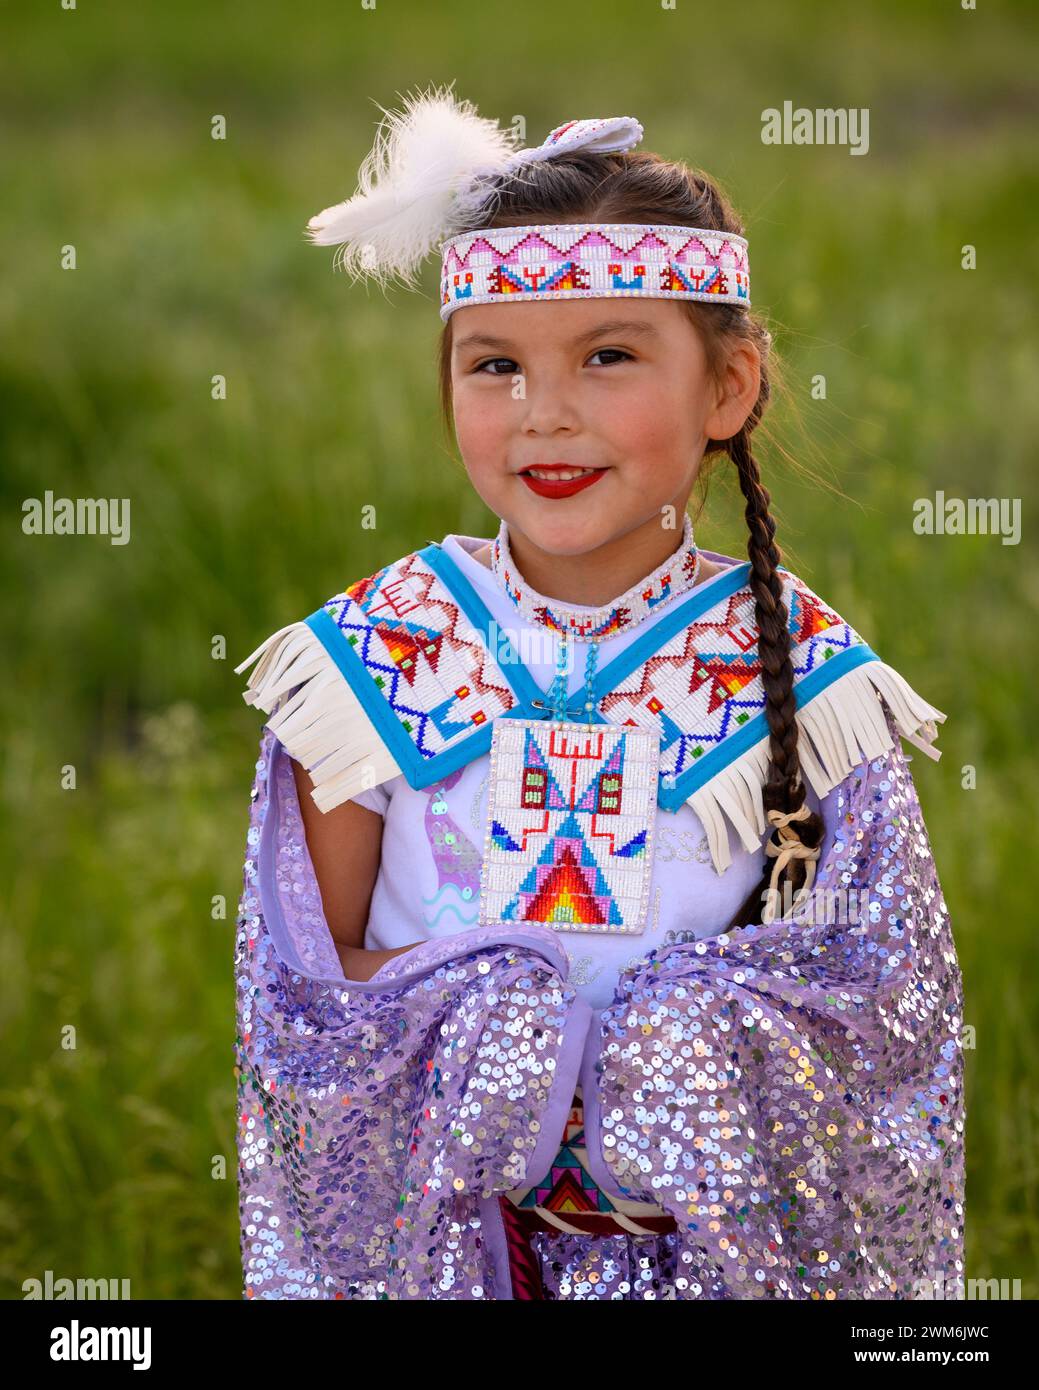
(572, 805)
(570, 815)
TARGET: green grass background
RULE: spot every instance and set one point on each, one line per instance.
(246, 513)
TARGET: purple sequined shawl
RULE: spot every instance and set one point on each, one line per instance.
(791, 1093)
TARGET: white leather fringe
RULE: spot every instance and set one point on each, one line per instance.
(322, 725)
(838, 729)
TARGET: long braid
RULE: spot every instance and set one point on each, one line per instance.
(784, 789)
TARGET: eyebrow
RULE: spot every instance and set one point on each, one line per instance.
(636, 326)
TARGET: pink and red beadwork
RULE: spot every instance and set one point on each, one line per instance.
(494, 265)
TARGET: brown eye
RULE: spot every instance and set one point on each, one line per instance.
(612, 352)
(493, 361)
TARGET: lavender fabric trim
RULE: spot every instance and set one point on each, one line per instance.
(791, 1093)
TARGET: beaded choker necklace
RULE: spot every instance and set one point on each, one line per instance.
(678, 573)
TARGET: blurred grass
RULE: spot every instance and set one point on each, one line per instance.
(246, 513)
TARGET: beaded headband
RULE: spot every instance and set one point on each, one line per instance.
(433, 171)
(592, 261)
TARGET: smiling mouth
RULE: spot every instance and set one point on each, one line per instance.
(558, 475)
(560, 483)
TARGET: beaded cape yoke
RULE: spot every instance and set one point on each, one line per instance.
(406, 672)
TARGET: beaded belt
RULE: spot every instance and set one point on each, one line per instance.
(568, 1198)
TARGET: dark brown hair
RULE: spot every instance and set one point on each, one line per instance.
(642, 187)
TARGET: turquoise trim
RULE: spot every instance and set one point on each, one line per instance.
(648, 643)
(422, 772)
(517, 677)
(719, 758)
(700, 601)
(418, 771)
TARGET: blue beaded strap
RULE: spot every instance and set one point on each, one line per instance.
(591, 665)
(557, 694)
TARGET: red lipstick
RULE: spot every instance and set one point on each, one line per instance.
(544, 488)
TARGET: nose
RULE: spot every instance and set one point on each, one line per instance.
(549, 406)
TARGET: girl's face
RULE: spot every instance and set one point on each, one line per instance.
(618, 385)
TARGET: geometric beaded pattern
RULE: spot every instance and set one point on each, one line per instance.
(568, 1188)
(570, 817)
(442, 683)
(493, 265)
(417, 646)
(704, 684)
(674, 576)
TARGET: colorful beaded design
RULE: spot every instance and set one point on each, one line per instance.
(570, 817)
(677, 574)
(548, 857)
(406, 671)
(568, 1198)
(498, 265)
(440, 683)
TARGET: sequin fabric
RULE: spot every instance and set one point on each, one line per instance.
(607, 1267)
(791, 1093)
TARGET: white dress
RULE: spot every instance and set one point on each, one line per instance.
(428, 883)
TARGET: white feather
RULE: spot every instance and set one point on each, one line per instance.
(418, 185)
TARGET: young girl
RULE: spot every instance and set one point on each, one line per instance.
(590, 944)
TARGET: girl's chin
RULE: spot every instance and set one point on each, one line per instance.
(569, 535)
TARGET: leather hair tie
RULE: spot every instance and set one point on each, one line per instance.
(789, 847)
